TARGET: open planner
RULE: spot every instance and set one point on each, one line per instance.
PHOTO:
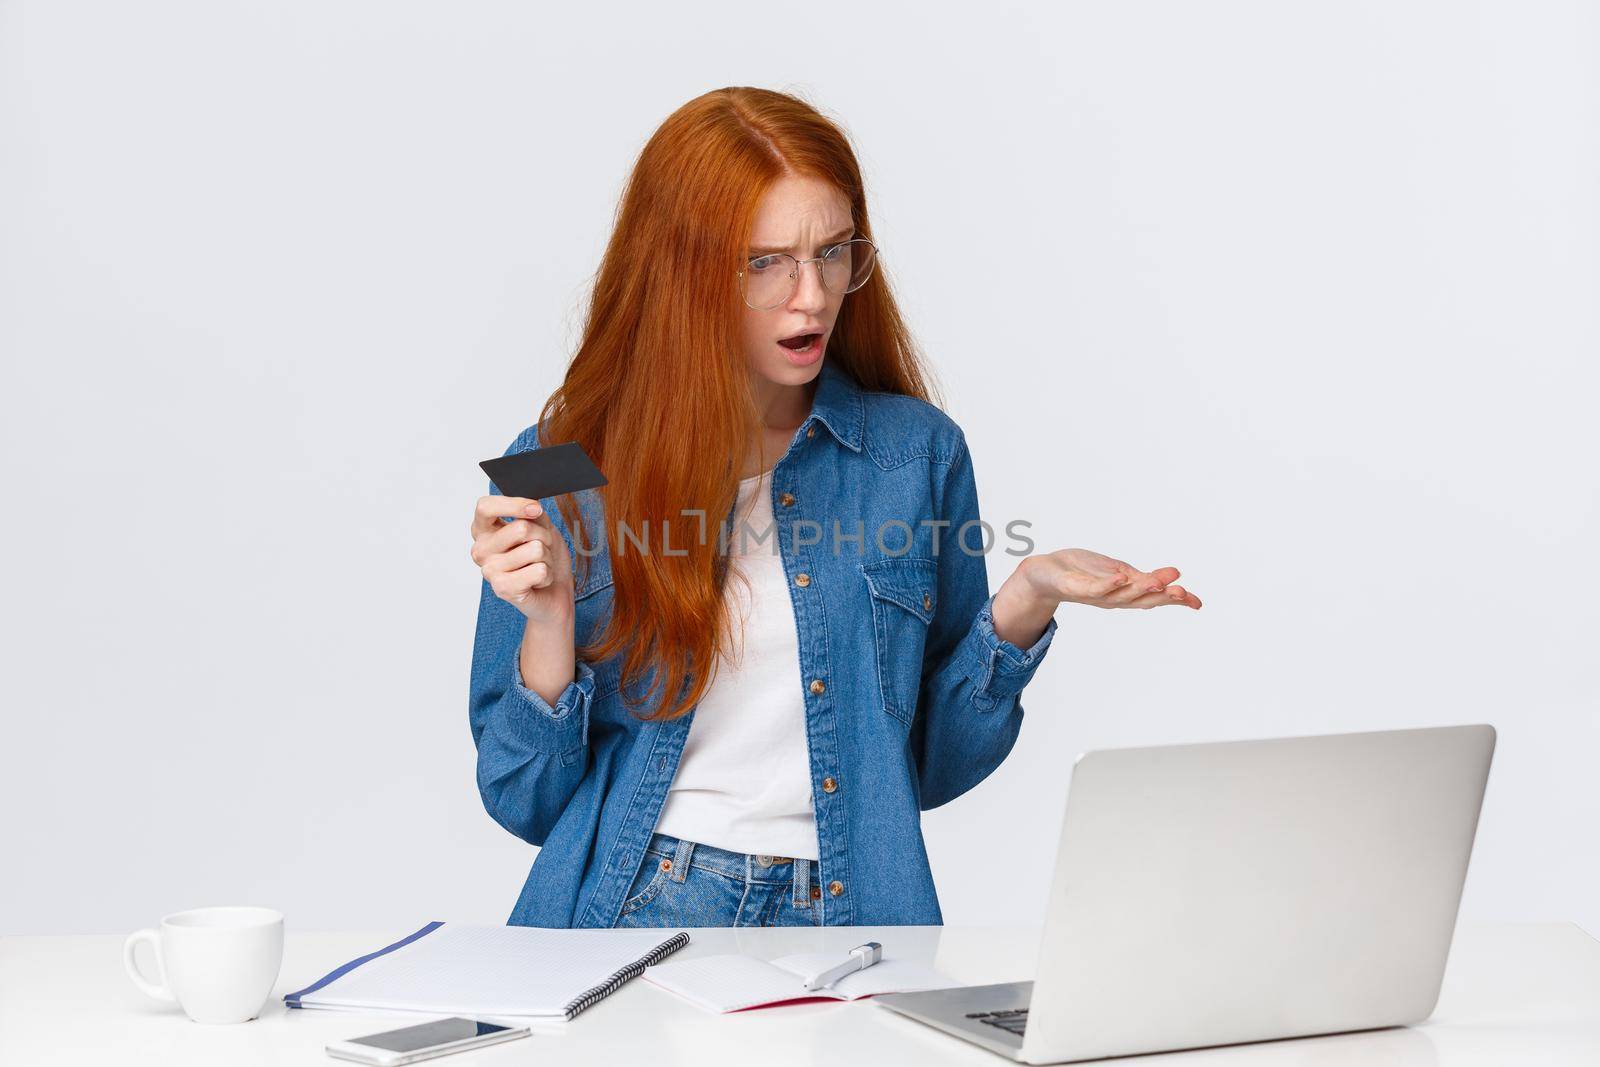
(735, 982)
(513, 972)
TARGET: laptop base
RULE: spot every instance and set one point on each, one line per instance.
(960, 1012)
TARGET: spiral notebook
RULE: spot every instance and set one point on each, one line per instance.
(513, 972)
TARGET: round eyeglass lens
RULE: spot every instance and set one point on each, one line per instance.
(847, 267)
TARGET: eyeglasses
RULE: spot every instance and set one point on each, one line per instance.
(770, 280)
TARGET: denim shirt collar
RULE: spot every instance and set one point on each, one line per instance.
(837, 404)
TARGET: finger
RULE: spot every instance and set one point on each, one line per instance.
(1085, 588)
(1140, 584)
(1155, 581)
(533, 550)
(1190, 600)
(1121, 580)
(492, 508)
(517, 585)
(509, 536)
(488, 510)
(536, 575)
(512, 534)
(1174, 595)
(1179, 595)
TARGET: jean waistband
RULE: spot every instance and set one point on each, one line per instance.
(741, 865)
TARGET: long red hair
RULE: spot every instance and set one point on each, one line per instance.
(659, 390)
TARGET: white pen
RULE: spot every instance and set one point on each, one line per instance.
(861, 957)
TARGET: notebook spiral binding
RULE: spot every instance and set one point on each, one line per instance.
(632, 970)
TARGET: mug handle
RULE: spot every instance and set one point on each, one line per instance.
(159, 991)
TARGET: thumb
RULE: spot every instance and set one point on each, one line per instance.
(540, 517)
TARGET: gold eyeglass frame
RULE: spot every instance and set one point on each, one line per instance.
(799, 265)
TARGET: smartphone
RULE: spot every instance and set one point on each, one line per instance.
(423, 1041)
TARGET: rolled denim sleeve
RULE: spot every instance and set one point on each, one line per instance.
(1000, 668)
(531, 754)
(969, 709)
(531, 723)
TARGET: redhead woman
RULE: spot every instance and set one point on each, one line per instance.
(720, 689)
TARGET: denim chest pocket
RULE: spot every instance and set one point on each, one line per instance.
(904, 594)
(591, 607)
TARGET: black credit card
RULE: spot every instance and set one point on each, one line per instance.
(544, 472)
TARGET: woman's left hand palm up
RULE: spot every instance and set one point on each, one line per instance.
(1080, 576)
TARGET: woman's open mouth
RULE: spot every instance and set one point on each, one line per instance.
(802, 349)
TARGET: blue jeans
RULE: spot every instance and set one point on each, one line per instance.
(683, 883)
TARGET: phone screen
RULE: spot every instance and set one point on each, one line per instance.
(426, 1035)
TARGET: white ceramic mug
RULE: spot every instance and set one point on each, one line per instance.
(218, 964)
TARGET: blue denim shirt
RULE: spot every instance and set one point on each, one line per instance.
(910, 697)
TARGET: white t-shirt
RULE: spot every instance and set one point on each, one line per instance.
(744, 779)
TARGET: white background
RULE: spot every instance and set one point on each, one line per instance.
(1297, 298)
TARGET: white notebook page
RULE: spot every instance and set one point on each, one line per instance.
(489, 970)
(888, 975)
(727, 983)
(733, 982)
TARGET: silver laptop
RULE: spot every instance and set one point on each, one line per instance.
(1243, 891)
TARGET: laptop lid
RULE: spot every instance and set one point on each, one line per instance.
(1209, 894)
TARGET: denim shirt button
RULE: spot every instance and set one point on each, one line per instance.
(836, 887)
(802, 580)
(817, 686)
(786, 499)
(811, 431)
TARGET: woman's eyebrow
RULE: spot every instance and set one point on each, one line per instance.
(841, 235)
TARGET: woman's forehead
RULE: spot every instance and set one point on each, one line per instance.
(795, 208)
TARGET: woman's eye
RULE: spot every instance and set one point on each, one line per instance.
(761, 262)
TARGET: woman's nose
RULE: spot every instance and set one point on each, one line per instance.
(808, 290)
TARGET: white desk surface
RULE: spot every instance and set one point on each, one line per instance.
(1525, 994)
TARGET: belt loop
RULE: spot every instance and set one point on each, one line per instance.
(802, 882)
(680, 860)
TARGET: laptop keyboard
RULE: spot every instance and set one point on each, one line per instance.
(1013, 1020)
